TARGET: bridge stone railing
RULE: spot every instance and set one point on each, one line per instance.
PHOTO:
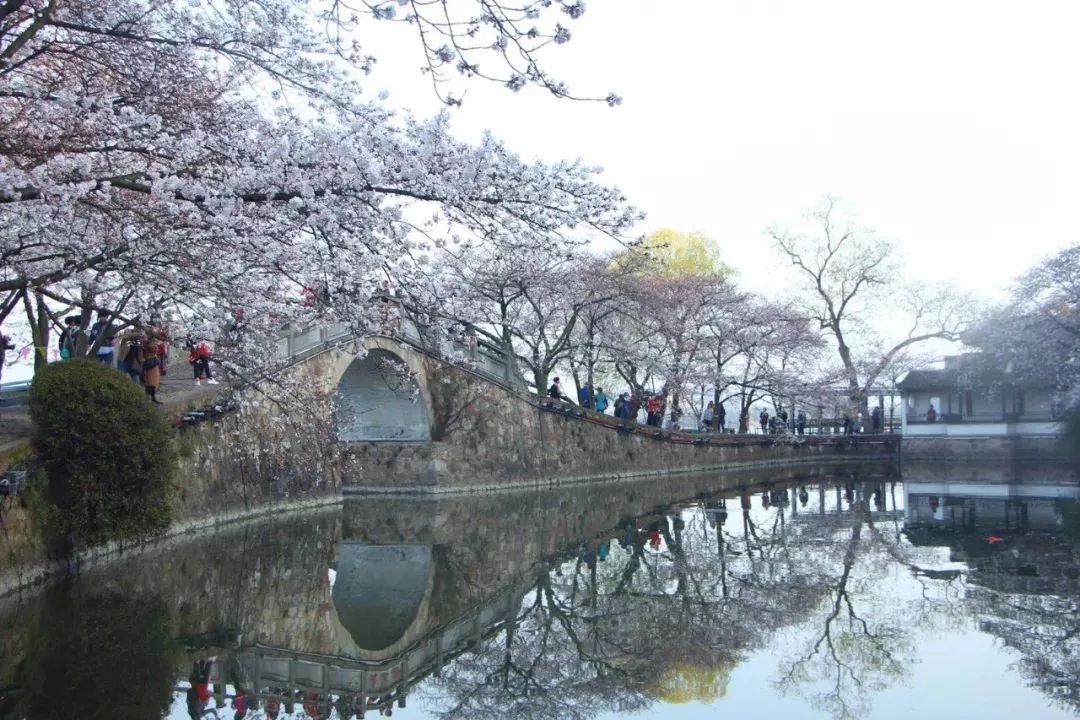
(277, 673)
(479, 354)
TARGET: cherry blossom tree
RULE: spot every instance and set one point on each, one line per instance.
(764, 351)
(210, 155)
(674, 281)
(1037, 333)
(1035, 337)
(678, 310)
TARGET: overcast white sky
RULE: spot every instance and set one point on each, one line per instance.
(950, 126)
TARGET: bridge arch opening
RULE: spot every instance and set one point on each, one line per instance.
(379, 590)
(377, 400)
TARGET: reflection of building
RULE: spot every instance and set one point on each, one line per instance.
(992, 507)
(1015, 538)
(1021, 543)
(970, 400)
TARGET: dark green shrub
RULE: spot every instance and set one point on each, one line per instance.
(106, 454)
(98, 657)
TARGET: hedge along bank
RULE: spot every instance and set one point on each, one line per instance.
(242, 465)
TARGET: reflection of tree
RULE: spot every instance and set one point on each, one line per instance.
(650, 623)
(1026, 592)
(677, 602)
(98, 656)
(861, 636)
(1046, 631)
(850, 655)
(540, 667)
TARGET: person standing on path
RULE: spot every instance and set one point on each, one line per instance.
(199, 692)
(585, 396)
(69, 337)
(151, 369)
(103, 333)
(199, 357)
(601, 400)
(622, 407)
(555, 391)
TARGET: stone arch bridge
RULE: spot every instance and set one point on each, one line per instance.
(421, 415)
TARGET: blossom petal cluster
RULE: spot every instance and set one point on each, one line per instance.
(206, 156)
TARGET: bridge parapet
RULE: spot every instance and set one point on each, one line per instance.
(474, 349)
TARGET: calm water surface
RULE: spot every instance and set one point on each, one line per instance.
(825, 594)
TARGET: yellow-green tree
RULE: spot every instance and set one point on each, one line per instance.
(668, 253)
(683, 682)
(678, 283)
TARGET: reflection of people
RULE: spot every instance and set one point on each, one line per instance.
(199, 692)
(654, 539)
(240, 702)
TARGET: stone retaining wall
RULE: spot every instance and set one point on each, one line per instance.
(990, 449)
(497, 438)
(581, 453)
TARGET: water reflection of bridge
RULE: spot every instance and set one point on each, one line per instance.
(418, 582)
(358, 686)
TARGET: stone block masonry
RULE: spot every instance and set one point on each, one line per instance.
(485, 436)
(996, 449)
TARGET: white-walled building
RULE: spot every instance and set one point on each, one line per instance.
(970, 400)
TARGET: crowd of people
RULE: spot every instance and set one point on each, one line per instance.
(628, 406)
(141, 351)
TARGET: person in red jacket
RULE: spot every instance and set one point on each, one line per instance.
(199, 357)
